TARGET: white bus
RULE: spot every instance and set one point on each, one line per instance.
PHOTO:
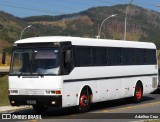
(61, 71)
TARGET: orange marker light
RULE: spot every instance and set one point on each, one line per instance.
(58, 92)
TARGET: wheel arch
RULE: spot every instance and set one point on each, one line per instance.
(85, 87)
(140, 82)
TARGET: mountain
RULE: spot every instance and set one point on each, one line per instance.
(142, 24)
(10, 28)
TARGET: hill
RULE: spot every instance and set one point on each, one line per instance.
(142, 25)
(10, 27)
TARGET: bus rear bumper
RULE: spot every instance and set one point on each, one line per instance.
(17, 100)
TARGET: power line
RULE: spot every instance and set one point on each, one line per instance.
(19, 12)
(30, 8)
(56, 5)
(55, 12)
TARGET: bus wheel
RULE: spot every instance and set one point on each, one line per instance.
(40, 109)
(84, 101)
(138, 93)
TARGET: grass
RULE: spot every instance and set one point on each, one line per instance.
(4, 91)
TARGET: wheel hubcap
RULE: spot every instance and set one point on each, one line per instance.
(83, 101)
(138, 92)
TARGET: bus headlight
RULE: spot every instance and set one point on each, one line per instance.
(13, 91)
(49, 92)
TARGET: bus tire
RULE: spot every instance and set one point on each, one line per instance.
(138, 93)
(84, 101)
(40, 109)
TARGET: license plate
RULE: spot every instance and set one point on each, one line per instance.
(31, 102)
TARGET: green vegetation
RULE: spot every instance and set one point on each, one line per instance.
(4, 91)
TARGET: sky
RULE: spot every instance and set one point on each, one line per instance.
(25, 8)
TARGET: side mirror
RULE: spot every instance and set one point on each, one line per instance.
(68, 62)
(68, 56)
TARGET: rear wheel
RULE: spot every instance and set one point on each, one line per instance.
(84, 101)
(138, 93)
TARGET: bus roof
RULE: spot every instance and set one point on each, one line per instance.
(88, 42)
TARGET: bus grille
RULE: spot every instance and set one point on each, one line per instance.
(31, 92)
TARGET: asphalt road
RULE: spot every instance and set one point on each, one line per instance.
(115, 110)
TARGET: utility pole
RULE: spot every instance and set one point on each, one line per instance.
(125, 23)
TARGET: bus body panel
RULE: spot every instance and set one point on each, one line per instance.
(110, 89)
(71, 94)
(111, 72)
(111, 82)
(45, 82)
(88, 42)
(39, 90)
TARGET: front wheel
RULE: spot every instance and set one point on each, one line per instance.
(138, 93)
(84, 102)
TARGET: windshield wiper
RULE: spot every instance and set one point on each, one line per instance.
(41, 75)
(23, 74)
(20, 74)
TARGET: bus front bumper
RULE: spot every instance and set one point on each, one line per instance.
(17, 100)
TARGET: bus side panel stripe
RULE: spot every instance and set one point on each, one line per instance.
(114, 77)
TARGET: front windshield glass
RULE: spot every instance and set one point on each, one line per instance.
(46, 61)
(38, 61)
(21, 61)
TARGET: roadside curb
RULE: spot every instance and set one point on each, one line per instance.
(12, 108)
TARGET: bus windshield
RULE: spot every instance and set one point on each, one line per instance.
(37, 61)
